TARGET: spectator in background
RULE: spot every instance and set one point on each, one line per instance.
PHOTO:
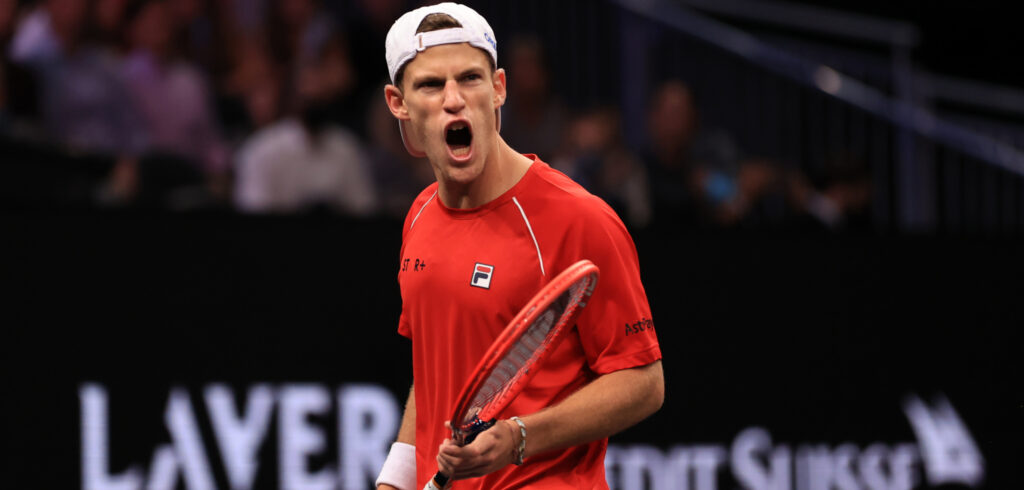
(172, 97)
(81, 84)
(399, 177)
(299, 30)
(8, 12)
(305, 161)
(598, 159)
(838, 198)
(108, 23)
(225, 40)
(305, 39)
(8, 18)
(332, 73)
(81, 92)
(246, 17)
(365, 24)
(207, 31)
(699, 175)
(252, 91)
(532, 116)
(35, 37)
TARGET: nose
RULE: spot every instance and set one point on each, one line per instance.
(453, 101)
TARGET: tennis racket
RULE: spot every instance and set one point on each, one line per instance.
(518, 352)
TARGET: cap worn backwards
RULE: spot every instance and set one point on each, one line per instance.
(404, 43)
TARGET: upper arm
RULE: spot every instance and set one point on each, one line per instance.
(617, 328)
(654, 376)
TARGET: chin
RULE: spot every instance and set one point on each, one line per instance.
(458, 170)
(462, 174)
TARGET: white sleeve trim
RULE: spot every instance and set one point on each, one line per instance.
(540, 258)
(418, 213)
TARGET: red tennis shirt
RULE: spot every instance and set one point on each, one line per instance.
(465, 273)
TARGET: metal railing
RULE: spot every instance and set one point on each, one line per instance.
(933, 173)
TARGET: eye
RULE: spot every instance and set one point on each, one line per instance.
(430, 84)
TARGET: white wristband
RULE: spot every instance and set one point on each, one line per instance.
(399, 469)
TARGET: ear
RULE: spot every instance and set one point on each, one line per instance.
(396, 102)
(499, 87)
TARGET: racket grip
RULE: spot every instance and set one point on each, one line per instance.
(438, 482)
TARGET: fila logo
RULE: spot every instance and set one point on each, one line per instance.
(482, 276)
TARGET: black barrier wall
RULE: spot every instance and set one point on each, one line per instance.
(222, 352)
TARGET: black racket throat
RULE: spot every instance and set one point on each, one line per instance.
(467, 435)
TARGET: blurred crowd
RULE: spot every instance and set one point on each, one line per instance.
(276, 106)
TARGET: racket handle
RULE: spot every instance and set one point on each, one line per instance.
(438, 482)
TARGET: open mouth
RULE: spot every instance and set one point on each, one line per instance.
(458, 136)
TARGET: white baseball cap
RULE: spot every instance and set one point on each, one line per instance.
(404, 43)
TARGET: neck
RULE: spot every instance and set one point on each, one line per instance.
(502, 170)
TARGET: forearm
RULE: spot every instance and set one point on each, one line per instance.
(609, 404)
(606, 405)
(407, 430)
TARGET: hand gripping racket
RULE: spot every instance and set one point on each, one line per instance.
(518, 352)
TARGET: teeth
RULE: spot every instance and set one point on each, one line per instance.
(457, 126)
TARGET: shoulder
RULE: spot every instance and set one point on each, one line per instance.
(578, 223)
(550, 184)
(560, 198)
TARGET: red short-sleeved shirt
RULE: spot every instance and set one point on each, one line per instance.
(464, 274)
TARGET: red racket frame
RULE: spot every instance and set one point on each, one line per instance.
(582, 270)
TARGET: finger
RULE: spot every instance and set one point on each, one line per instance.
(445, 465)
(459, 463)
(471, 466)
(450, 452)
(452, 465)
(473, 471)
(450, 448)
(457, 472)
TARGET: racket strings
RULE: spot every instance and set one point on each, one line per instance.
(527, 349)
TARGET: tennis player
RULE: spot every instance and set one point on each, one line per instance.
(477, 244)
